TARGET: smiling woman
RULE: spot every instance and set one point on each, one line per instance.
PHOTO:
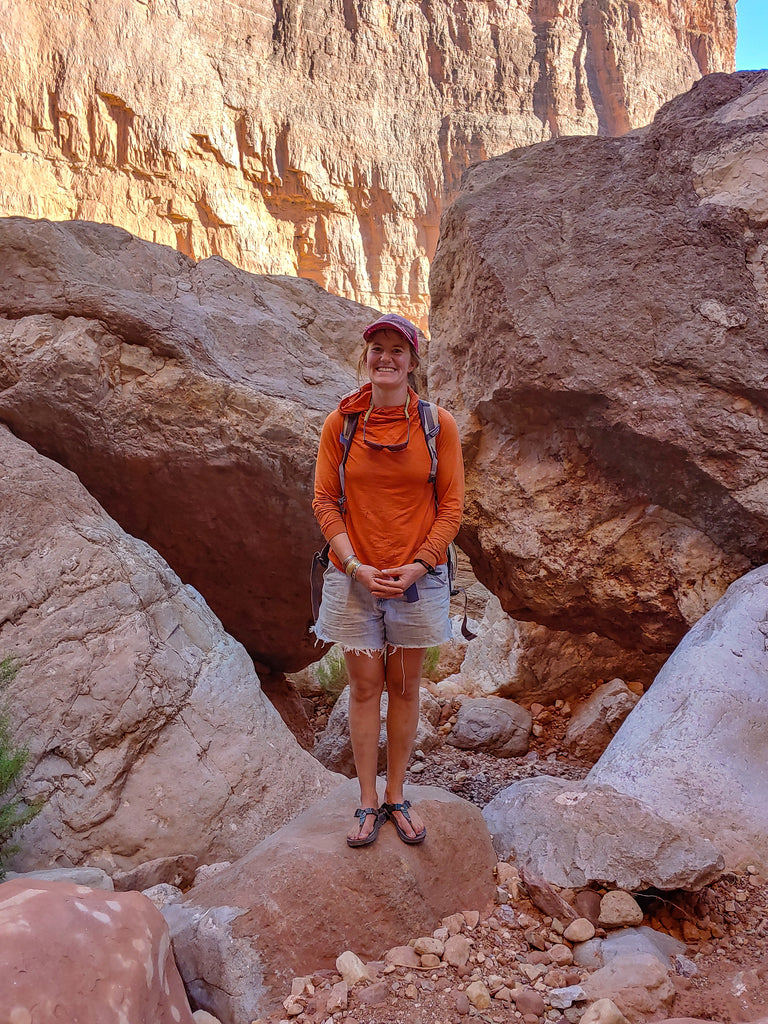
(389, 513)
(752, 35)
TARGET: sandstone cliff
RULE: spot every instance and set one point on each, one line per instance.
(318, 139)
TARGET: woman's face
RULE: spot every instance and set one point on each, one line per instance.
(389, 359)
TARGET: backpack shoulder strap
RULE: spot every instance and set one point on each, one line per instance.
(430, 424)
(345, 440)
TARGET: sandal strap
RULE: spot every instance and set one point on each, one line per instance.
(403, 808)
(363, 812)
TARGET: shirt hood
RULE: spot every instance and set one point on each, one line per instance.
(360, 400)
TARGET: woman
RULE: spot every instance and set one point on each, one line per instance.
(386, 593)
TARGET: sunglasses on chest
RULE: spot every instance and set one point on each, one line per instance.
(388, 447)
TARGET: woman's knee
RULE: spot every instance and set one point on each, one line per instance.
(365, 689)
(366, 677)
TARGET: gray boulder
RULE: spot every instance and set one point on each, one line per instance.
(694, 748)
(149, 734)
(627, 941)
(493, 726)
(573, 835)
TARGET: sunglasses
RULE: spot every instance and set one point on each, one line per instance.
(387, 447)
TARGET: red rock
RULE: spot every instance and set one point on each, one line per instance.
(528, 1001)
(596, 499)
(544, 896)
(72, 953)
(373, 995)
(461, 1001)
(178, 871)
(367, 900)
(587, 903)
(257, 131)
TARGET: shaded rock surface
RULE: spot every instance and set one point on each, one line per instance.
(528, 662)
(597, 721)
(245, 933)
(572, 834)
(256, 130)
(68, 952)
(148, 733)
(189, 400)
(693, 749)
(598, 323)
(496, 726)
(334, 747)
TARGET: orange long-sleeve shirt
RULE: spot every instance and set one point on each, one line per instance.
(390, 515)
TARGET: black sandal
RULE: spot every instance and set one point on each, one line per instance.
(362, 813)
(403, 808)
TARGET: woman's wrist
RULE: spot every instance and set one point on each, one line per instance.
(351, 565)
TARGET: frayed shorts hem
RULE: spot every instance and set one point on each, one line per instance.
(360, 623)
(388, 648)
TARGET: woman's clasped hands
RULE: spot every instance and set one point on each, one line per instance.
(389, 583)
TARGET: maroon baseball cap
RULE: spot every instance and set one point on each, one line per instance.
(394, 322)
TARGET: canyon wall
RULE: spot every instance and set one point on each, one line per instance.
(319, 140)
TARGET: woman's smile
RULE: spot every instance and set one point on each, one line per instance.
(389, 360)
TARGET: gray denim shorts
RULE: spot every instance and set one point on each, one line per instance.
(351, 616)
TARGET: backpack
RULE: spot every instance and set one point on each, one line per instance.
(430, 425)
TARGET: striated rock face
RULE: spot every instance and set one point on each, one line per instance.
(599, 321)
(148, 733)
(189, 401)
(318, 139)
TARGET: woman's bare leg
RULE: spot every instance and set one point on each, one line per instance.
(403, 674)
(366, 684)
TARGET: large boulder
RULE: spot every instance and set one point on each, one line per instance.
(492, 726)
(189, 399)
(599, 317)
(302, 897)
(598, 719)
(70, 953)
(573, 835)
(148, 732)
(638, 984)
(694, 747)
